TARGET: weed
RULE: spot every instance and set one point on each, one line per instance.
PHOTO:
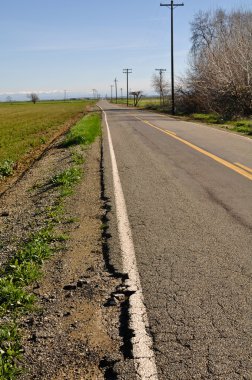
(54, 213)
(78, 158)
(6, 168)
(42, 140)
(10, 351)
(67, 178)
(71, 220)
(104, 226)
(61, 237)
(13, 298)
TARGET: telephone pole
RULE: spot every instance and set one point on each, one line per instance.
(111, 86)
(94, 93)
(172, 6)
(121, 93)
(116, 89)
(127, 72)
(161, 71)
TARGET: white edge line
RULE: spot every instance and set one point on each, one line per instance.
(143, 354)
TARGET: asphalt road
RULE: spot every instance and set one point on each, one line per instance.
(188, 193)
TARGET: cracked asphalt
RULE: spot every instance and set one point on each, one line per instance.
(191, 220)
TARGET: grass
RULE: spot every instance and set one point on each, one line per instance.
(25, 126)
(67, 177)
(25, 267)
(208, 118)
(85, 131)
(241, 126)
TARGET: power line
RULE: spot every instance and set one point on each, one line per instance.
(127, 72)
(160, 82)
(172, 6)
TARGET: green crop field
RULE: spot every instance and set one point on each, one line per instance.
(24, 126)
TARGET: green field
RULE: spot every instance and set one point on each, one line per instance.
(24, 126)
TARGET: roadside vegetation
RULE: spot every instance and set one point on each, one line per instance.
(25, 126)
(217, 87)
(143, 102)
(239, 125)
(243, 126)
(26, 264)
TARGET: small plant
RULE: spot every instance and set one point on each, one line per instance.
(67, 177)
(6, 168)
(10, 351)
(66, 180)
(42, 140)
(78, 158)
(13, 297)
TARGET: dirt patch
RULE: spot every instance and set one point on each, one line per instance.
(74, 333)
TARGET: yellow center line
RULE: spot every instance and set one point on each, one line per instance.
(163, 130)
(244, 167)
(229, 165)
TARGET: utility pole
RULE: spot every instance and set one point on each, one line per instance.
(127, 72)
(65, 95)
(116, 89)
(161, 71)
(121, 93)
(94, 93)
(111, 98)
(172, 6)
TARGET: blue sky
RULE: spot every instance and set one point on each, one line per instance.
(76, 45)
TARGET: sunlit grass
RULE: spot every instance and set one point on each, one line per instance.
(85, 131)
(25, 126)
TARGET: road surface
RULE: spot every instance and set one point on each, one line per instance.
(188, 195)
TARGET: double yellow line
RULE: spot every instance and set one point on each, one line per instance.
(237, 167)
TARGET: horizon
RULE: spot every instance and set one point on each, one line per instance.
(78, 47)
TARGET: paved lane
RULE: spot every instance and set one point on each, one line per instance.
(191, 220)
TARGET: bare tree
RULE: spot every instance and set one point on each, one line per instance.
(220, 75)
(34, 97)
(137, 96)
(160, 85)
(9, 99)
